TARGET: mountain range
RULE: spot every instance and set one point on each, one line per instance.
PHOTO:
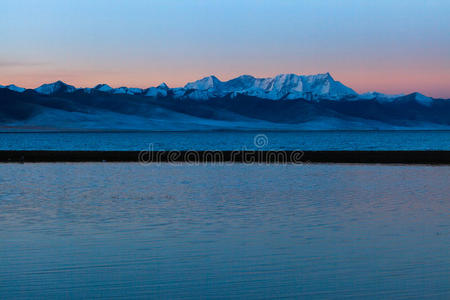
(283, 102)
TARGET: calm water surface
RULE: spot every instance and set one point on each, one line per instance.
(209, 231)
(228, 140)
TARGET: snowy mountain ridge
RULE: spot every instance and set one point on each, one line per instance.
(284, 102)
(58, 86)
(14, 88)
(281, 87)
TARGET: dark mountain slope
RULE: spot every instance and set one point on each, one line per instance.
(404, 111)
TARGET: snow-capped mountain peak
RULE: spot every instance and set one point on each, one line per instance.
(163, 86)
(373, 95)
(159, 91)
(380, 97)
(126, 90)
(15, 88)
(282, 86)
(206, 83)
(103, 88)
(58, 86)
(422, 99)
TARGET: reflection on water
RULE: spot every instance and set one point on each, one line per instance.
(321, 231)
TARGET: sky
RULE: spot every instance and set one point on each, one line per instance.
(389, 46)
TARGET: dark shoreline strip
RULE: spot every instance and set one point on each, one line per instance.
(382, 157)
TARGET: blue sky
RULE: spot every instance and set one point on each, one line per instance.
(384, 45)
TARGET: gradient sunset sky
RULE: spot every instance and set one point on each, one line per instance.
(391, 46)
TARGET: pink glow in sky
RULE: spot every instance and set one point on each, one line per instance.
(388, 46)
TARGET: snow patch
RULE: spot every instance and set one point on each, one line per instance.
(103, 88)
(58, 86)
(15, 88)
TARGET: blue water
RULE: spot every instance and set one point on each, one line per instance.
(107, 230)
(303, 140)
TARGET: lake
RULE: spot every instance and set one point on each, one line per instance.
(228, 140)
(105, 230)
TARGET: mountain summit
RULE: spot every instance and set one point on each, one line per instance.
(283, 86)
(56, 87)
